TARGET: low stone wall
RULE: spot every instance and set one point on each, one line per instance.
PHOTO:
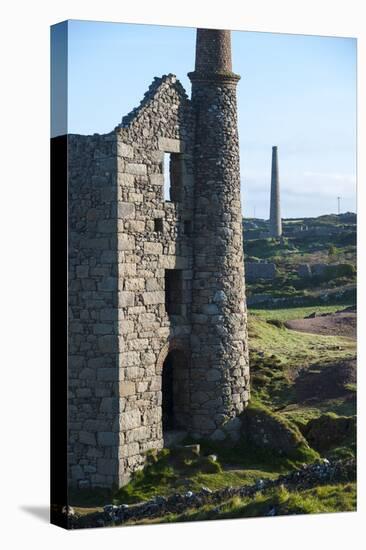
(323, 269)
(308, 476)
(345, 294)
(304, 270)
(319, 270)
(259, 270)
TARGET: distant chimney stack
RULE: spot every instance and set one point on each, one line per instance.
(275, 223)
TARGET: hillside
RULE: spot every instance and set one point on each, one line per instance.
(314, 261)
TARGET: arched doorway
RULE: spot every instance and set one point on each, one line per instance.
(175, 392)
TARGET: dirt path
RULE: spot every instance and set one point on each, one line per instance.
(327, 382)
(334, 324)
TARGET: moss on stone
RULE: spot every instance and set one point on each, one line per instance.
(266, 429)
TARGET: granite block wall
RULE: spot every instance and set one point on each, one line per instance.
(123, 237)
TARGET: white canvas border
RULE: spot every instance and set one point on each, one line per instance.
(24, 222)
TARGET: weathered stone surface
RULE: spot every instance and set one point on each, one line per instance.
(82, 271)
(126, 242)
(108, 404)
(259, 270)
(125, 150)
(136, 169)
(154, 297)
(87, 438)
(107, 466)
(130, 420)
(126, 210)
(129, 450)
(171, 145)
(77, 472)
(153, 248)
(157, 179)
(127, 388)
(107, 439)
(129, 358)
(108, 284)
(218, 309)
(210, 309)
(126, 299)
(125, 180)
(107, 344)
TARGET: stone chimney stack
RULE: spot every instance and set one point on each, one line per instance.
(220, 367)
(275, 222)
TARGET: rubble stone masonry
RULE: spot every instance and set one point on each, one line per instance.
(152, 277)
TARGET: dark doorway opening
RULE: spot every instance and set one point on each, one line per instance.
(175, 392)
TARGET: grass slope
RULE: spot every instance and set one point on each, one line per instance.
(168, 475)
(287, 314)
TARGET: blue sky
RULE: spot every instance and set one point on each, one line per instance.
(296, 92)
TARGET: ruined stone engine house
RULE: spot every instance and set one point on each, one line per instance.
(157, 314)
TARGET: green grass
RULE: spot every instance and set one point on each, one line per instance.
(249, 457)
(287, 314)
(167, 476)
(300, 414)
(295, 348)
(278, 354)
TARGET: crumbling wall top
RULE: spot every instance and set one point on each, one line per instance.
(158, 86)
